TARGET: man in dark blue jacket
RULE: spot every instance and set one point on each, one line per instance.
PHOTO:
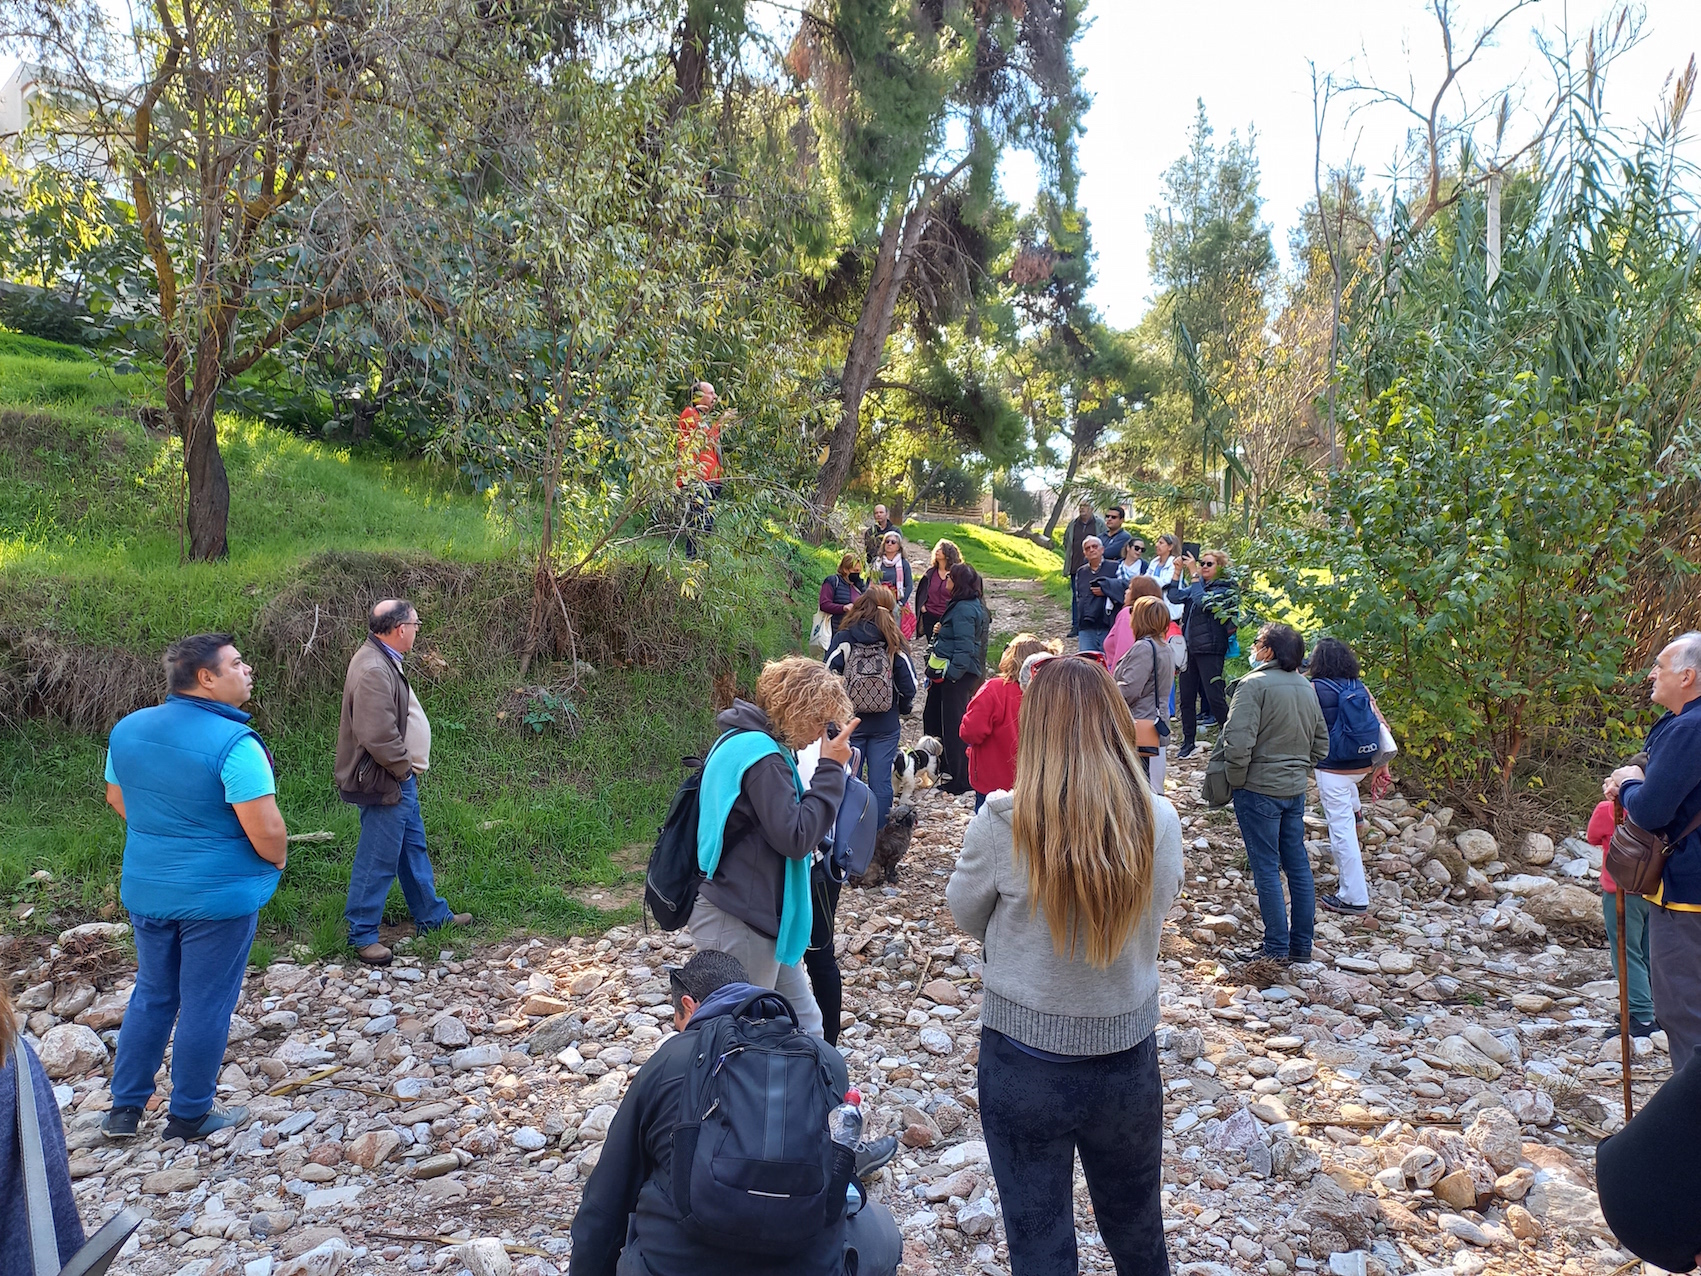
(1667, 799)
(627, 1223)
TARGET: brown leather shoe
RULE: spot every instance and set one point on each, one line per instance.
(460, 919)
(374, 955)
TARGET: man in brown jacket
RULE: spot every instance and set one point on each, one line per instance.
(383, 745)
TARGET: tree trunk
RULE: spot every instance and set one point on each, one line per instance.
(1063, 490)
(691, 60)
(898, 239)
(208, 512)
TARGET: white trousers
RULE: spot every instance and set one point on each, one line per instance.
(1340, 808)
(722, 932)
(1155, 770)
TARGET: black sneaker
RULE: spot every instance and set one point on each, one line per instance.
(1206, 720)
(218, 1117)
(1640, 1029)
(121, 1123)
(1335, 904)
(871, 1157)
(1186, 751)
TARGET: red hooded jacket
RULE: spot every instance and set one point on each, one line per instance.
(989, 729)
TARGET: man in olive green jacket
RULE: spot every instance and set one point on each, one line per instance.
(1275, 733)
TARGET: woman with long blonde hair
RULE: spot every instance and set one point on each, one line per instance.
(1066, 881)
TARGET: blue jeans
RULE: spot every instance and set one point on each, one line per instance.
(1093, 639)
(1274, 831)
(392, 846)
(190, 973)
(1635, 950)
(878, 754)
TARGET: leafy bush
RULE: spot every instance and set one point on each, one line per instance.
(1473, 550)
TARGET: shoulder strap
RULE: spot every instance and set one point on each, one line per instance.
(38, 1204)
(1693, 825)
(1154, 643)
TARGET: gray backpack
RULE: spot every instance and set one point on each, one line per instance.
(868, 677)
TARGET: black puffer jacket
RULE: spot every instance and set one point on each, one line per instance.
(1211, 615)
(768, 826)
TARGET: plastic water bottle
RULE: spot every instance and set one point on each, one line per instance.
(844, 1123)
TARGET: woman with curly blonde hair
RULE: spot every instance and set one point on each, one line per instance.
(759, 824)
(1066, 882)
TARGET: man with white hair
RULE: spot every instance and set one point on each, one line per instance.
(1097, 599)
(1084, 524)
(1665, 798)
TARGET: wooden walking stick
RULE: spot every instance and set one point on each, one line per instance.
(1623, 975)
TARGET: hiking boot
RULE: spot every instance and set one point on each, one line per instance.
(870, 1157)
(121, 1123)
(460, 919)
(218, 1117)
(1335, 904)
(374, 954)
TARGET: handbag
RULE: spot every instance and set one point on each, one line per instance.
(1150, 733)
(1636, 857)
(906, 622)
(821, 632)
(98, 1253)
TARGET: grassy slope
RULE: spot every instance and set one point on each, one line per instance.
(88, 547)
(997, 554)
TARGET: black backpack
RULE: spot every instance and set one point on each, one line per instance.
(672, 878)
(754, 1167)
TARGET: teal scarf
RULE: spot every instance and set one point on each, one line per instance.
(723, 774)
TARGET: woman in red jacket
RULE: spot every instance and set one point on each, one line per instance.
(989, 723)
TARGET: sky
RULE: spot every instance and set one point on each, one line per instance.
(1145, 65)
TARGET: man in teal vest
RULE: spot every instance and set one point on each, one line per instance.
(204, 847)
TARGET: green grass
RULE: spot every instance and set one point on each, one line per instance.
(520, 823)
(998, 554)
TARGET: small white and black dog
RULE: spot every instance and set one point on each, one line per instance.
(913, 766)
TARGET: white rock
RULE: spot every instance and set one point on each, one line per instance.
(325, 1198)
(69, 1050)
(1476, 845)
(529, 1139)
(978, 1217)
(1524, 884)
(485, 1257)
(476, 1057)
(324, 1259)
(1538, 849)
(935, 1041)
(1487, 1042)
(1394, 962)
(971, 1153)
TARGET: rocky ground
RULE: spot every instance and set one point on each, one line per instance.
(1424, 1097)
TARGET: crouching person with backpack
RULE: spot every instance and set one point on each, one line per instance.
(1355, 737)
(758, 827)
(721, 1158)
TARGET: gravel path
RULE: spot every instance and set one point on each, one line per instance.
(1424, 1098)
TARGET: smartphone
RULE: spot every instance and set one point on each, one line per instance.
(833, 730)
(1191, 548)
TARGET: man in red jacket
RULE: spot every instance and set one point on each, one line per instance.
(700, 463)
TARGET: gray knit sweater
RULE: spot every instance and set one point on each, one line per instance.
(1032, 994)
